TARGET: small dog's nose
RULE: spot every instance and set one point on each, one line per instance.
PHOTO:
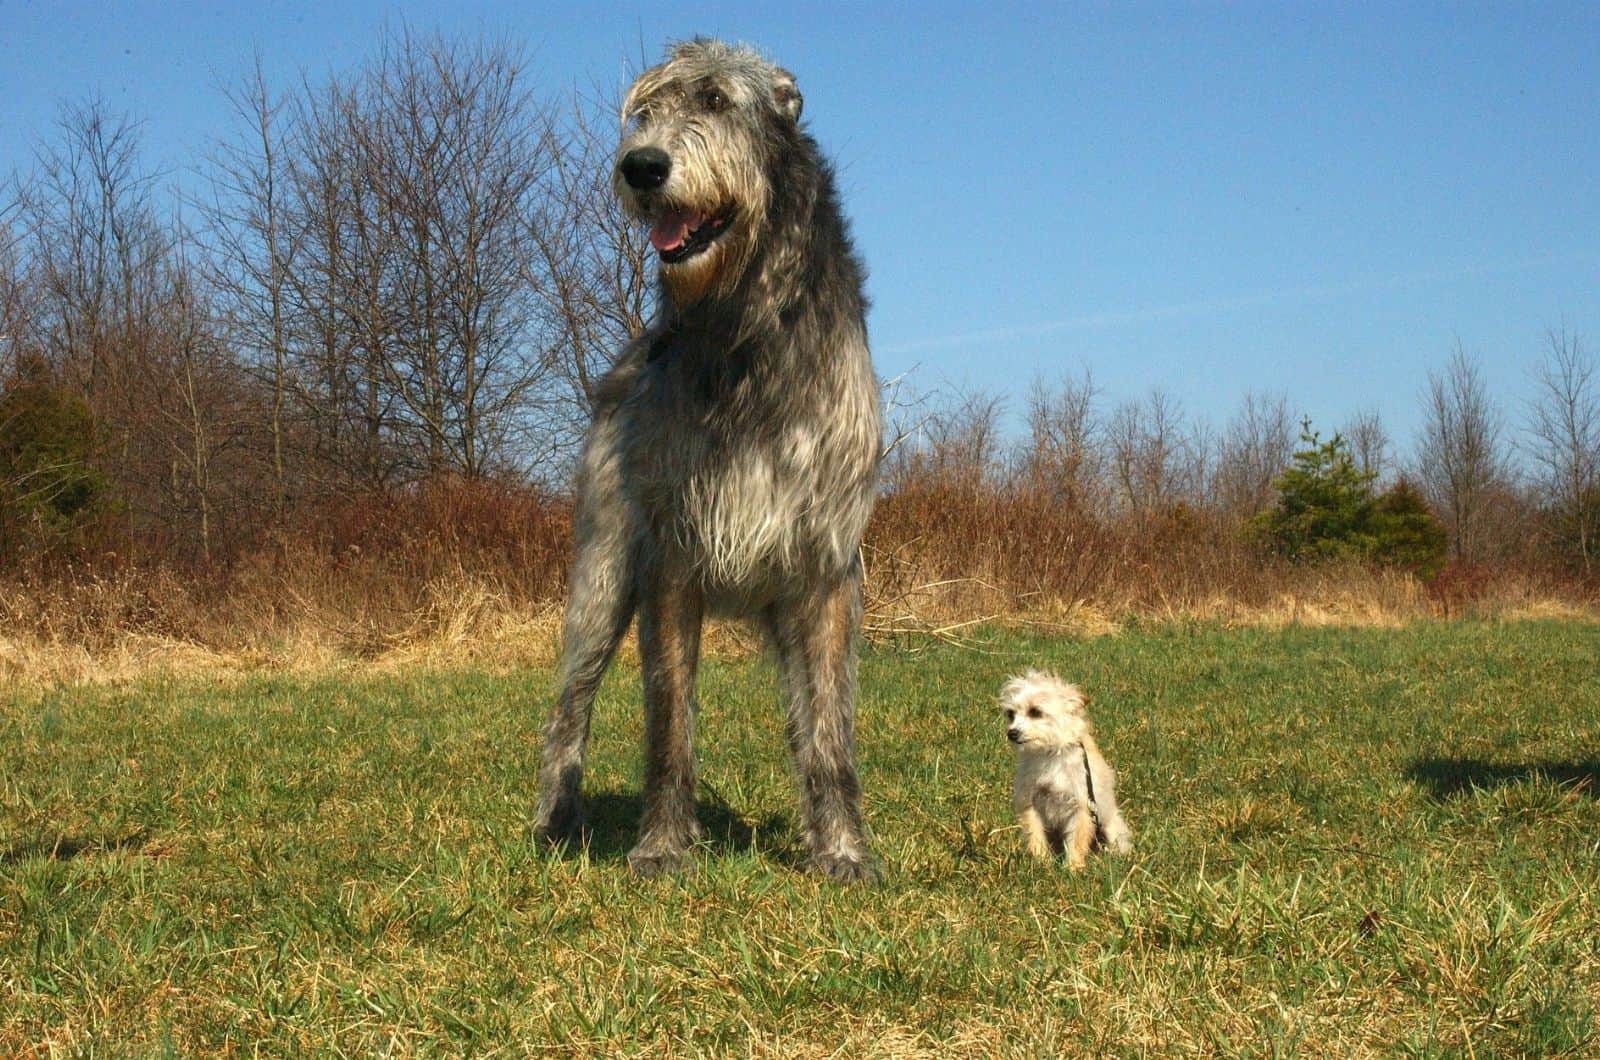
(645, 168)
(1013, 735)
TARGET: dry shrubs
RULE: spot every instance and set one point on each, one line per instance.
(457, 571)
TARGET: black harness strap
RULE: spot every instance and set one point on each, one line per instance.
(1094, 804)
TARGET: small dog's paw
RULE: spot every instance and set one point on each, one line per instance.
(657, 861)
(845, 869)
(1119, 841)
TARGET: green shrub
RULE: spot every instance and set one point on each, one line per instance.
(50, 492)
(1325, 505)
(1406, 534)
(1326, 510)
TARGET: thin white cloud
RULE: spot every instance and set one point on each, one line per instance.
(1206, 306)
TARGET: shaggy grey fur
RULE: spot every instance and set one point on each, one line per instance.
(731, 463)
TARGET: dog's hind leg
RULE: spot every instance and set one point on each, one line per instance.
(671, 608)
(599, 608)
(1113, 829)
(815, 638)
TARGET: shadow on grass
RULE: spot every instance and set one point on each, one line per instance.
(1448, 777)
(66, 848)
(612, 825)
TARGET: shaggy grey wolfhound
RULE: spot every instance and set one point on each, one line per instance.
(731, 463)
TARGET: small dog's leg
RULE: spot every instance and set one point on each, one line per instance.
(1115, 831)
(670, 612)
(1033, 833)
(1080, 835)
(815, 640)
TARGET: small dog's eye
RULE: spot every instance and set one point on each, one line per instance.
(714, 100)
(1010, 713)
(1033, 712)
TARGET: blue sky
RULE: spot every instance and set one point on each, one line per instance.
(1317, 199)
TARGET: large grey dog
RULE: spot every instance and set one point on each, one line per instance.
(732, 459)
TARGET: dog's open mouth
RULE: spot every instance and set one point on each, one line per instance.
(679, 235)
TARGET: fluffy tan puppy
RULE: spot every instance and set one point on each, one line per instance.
(1065, 795)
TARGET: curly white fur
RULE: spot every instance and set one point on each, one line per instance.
(1064, 794)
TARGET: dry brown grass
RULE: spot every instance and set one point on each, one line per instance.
(471, 576)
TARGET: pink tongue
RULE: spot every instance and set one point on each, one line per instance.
(670, 232)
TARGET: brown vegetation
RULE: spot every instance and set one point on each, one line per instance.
(325, 412)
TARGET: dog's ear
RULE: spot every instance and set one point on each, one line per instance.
(1008, 693)
(786, 93)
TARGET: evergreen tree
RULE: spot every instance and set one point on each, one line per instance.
(1326, 509)
(1406, 533)
(1325, 503)
(49, 490)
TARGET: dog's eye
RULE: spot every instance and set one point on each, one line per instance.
(714, 100)
(1033, 712)
(1010, 713)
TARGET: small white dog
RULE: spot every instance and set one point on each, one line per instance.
(1065, 795)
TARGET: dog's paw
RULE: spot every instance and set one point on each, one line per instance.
(657, 861)
(564, 824)
(845, 869)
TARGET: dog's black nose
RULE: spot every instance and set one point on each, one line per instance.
(1013, 735)
(645, 168)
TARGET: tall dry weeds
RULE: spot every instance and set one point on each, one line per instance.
(474, 572)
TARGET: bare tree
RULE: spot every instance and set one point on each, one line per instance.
(1153, 457)
(376, 248)
(1369, 443)
(1460, 463)
(250, 254)
(99, 252)
(16, 294)
(1563, 440)
(955, 444)
(1252, 452)
(122, 317)
(1063, 458)
(455, 148)
(99, 246)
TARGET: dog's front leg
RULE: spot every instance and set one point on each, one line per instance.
(1033, 833)
(671, 608)
(599, 608)
(815, 639)
(1079, 837)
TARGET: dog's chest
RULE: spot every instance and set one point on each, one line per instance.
(1049, 775)
(752, 497)
(756, 512)
(755, 473)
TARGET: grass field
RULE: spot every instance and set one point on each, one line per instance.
(1347, 841)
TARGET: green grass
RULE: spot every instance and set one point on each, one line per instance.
(1347, 842)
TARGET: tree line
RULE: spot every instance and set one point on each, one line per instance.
(414, 272)
(407, 272)
(1504, 483)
